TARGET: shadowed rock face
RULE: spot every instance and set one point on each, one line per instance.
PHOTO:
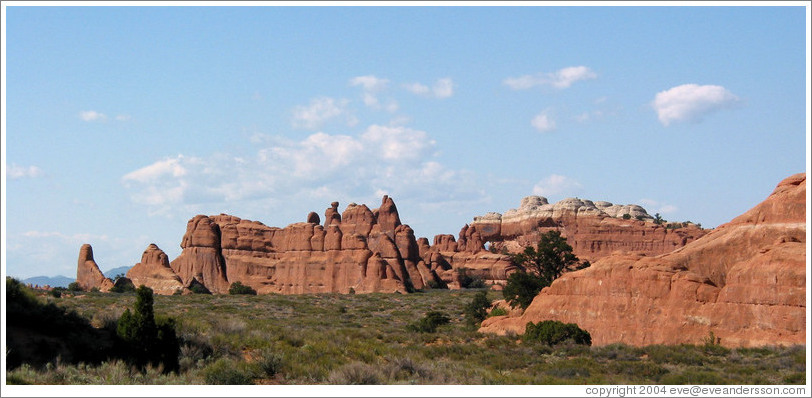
(745, 281)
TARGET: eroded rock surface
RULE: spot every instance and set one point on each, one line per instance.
(745, 281)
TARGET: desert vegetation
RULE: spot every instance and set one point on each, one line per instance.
(367, 339)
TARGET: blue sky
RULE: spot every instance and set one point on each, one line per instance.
(122, 123)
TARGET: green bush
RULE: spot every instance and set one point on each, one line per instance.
(239, 288)
(145, 339)
(74, 287)
(477, 310)
(555, 332)
(225, 371)
(467, 281)
(199, 289)
(498, 311)
(429, 323)
(521, 288)
(355, 373)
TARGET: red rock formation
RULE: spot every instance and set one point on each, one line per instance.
(201, 258)
(361, 250)
(154, 271)
(593, 229)
(88, 274)
(745, 281)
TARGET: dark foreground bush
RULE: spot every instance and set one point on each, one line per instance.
(239, 288)
(555, 332)
(429, 323)
(477, 310)
(146, 339)
(38, 332)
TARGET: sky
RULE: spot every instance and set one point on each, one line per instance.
(122, 123)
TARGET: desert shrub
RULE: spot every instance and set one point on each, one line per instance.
(226, 371)
(406, 368)
(122, 289)
(56, 292)
(44, 331)
(355, 373)
(522, 288)
(795, 378)
(683, 354)
(429, 323)
(467, 281)
(638, 369)
(74, 287)
(239, 288)
(477, 310)
(498, 311)
(145, 339)
(555, 332)
(270, 362)
(691, 376)
(198, 289)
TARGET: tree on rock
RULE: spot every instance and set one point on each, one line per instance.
(551, 257)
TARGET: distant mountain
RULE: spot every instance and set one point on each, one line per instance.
(115, 271)
(53, 281)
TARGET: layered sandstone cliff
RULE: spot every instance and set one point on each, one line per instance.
(745, 281)
(361, 250)
(593, 229)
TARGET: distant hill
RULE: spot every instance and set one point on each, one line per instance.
(53, 281)
(115, 271)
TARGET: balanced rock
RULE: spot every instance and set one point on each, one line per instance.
(745, 282)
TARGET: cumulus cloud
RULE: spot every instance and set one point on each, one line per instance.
(543, 122)
(442, 88)
(653, 206)
(691, 102)
(556, 185)
(371, 87)
(92, 116)
(15, 172)
(395, 159)
(321, 110)
(560, 79)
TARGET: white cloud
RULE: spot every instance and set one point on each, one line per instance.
(14, 172)
(653, 206)
(92, 116)
(158, 169)
(371, 86)
(394, 159)
(560, 79)
(691, 102)
(556, 185)
(543, 122)
(443, 88)
(320, 111)
(417, 88)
